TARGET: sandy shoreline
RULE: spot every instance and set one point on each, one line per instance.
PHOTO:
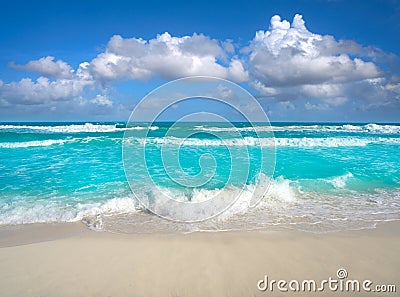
(69, 260)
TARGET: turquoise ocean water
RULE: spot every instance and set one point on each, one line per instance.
(327, 177)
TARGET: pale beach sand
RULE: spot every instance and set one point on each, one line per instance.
(69, 260)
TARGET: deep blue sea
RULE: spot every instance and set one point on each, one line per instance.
(327, 177)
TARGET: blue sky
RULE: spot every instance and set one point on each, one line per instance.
(93, 60)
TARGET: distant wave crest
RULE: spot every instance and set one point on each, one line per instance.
(304, 142)
(266, 142)
(351, 128)
(71, 128)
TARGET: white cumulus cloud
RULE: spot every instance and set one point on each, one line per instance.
(47, 67)
(44, 90)
(288, 54)
(165, 56)
(101, 100)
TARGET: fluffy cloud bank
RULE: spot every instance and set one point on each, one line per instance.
(166, 57)
(45, 90)
(286, 63)
(290, 55)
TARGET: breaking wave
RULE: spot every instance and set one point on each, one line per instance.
(267, 142)
(35, 143)
(305, 142)
(285, 205)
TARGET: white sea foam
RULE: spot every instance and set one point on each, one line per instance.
(282, 205)
(276, 193)
(45, 212)
(368, 128)
(305, 142)
(23, 212)
(258, 128)
(325, 142)
(350, 128)
(340, 181)
(387, 129)
(51, 142)
(268, 142)
(35, 143)
(73, 128)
